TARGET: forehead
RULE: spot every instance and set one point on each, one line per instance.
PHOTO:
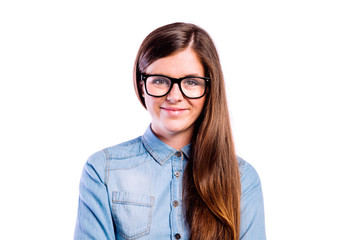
(179, 64)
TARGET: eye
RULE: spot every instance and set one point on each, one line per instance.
(191, 82)
(159, 81)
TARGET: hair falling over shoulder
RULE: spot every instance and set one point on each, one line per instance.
(212, 181)
(211, 186)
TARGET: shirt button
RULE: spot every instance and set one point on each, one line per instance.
(175, 203)
(177, 236)
(178, 154)
(177, 174)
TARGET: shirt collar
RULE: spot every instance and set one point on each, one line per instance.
(159, 150)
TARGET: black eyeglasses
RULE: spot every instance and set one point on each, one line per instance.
(159, 85)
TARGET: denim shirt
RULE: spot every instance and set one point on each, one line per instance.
(134, 191)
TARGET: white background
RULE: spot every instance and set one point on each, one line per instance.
(66, 92)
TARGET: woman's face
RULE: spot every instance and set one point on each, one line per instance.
(175, 114)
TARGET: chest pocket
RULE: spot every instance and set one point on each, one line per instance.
(132, 214)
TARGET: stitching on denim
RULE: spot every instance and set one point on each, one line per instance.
(151, 150)
(134, 203)
(113, 169)
(150, 213)
(129, 156)
(106, 174)
(146, 232)
(114, 203)
(154, 154)
(169, 156)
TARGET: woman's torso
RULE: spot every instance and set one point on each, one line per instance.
(143, 183)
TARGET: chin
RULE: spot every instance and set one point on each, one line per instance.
(177, 128)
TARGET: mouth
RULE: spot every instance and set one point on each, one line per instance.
(173, 111)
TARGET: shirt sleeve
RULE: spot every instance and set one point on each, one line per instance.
(94, 220)
(252, 225)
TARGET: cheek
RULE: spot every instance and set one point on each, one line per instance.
(199, 104)
(149, 104)
(153, 104)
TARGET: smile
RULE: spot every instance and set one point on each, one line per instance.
(174, 111)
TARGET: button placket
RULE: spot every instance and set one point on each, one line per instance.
(177, 154)
(176, 222)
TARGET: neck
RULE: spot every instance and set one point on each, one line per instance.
(175, 140)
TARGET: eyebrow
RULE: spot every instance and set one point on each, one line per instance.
(187, 75)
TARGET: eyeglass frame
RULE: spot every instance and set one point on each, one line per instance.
(174, 80)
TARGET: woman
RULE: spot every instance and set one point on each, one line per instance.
(182, 178)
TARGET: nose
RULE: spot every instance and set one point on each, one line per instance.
(175, 94)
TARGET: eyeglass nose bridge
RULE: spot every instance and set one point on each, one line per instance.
(175, 81)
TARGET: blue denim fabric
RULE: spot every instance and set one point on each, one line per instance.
(133, 191)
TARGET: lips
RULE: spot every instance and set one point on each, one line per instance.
(173, 111)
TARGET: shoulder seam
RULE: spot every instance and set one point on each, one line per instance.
(107, 167)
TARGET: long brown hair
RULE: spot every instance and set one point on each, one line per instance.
(211, 186)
